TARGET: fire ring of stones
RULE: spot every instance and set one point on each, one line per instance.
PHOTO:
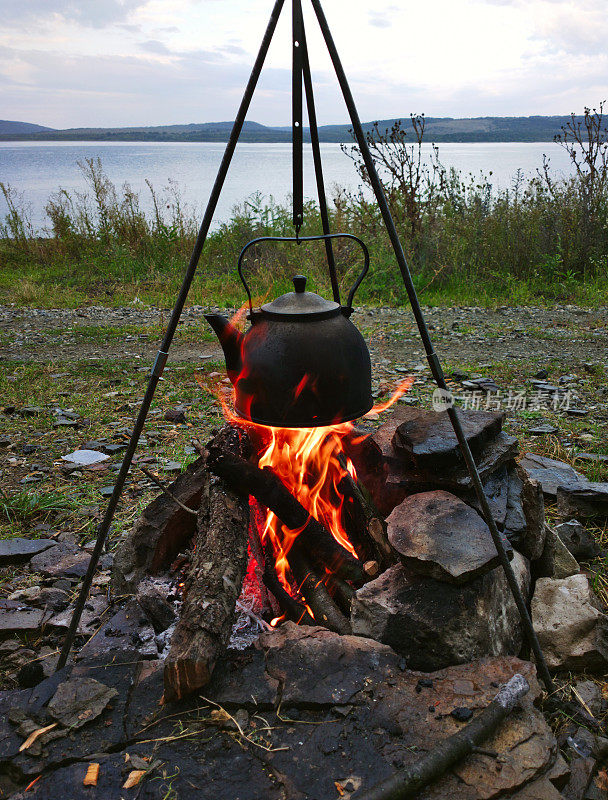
(385, 639)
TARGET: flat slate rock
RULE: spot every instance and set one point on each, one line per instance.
(128, 629)
(350, 715)
(550, 473)
(437, 534)
(428, 439)
(80, 700)
(18, 550)
(585, 500)
(496, 490)
(85, 458)
(578, 540)
(61, 561)
(525, 519)
(16, 617)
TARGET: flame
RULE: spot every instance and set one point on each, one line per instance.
(311, 463)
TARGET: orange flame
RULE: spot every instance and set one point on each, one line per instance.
(307, 461)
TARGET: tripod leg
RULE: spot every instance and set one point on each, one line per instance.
(163, 353)
(428, 346)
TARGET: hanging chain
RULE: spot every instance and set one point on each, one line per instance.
(296, 116)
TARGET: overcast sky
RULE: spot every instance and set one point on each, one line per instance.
(67, 63)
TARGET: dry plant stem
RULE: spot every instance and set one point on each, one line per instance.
(410, 781)
(314, 591)
(263, 484)
(166, 491)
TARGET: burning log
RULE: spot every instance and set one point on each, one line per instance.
(247, 479)
(367, 520)
(292, 608)
(325, 611)
(213, 586)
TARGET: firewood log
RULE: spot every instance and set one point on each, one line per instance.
(213, 586)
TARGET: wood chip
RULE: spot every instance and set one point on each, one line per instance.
(90, 779)
(33, 736)
(134, 778)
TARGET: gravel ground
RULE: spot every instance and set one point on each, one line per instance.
(566, 333)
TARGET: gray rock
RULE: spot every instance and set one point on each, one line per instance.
(496, 490)
(157, 609)
(436, 534)
(128, 630)
(15, 617)
(90, 620)
(578, 540)
(18, 550)
(85, 458)
(428, 439)
(564, 563)
(434, 624)
(79, 700)
(549, 472)
(591, 695)
(61, 560)
(583, 499)
(542, 430)
(571, 630)
(525, 518)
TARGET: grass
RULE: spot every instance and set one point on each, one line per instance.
(475, 245)
(25, 506)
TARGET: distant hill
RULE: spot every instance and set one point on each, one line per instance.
(13, 128)
(438, 129)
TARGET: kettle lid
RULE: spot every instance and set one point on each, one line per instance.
(301, 303)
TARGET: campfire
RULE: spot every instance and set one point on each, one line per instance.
(310, 516)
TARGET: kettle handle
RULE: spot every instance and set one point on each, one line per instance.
(348, 308)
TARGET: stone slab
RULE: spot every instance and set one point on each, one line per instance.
(585, 500)
(18, 550)
(428, 439)
(550, 473)
(437, 534)
(15, 617)
(61, 561)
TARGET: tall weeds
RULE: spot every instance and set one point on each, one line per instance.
(539, 239)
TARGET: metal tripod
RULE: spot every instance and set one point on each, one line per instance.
(301, 72)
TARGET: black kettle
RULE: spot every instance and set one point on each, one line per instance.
(303, 363)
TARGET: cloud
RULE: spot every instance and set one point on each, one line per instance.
(89, 91)
(379, 19)
(90, 13)
(154, 46)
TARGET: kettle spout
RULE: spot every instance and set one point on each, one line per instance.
(231, 340)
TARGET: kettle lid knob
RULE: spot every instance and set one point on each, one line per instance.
(299, 283)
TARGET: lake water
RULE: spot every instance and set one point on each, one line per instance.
(38, 169)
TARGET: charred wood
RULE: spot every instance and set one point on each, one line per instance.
(265, 486)
(292, 608)
(213, 586)
(315, 593)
